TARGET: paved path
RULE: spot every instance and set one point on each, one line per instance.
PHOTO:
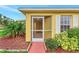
(37, 47)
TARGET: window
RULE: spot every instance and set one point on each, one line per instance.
(65, 23)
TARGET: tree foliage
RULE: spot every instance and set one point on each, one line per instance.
(11, 27)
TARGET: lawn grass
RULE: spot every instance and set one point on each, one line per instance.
(11, 51)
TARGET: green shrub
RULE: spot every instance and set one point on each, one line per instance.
(67, 43)
(13, 29)
(73, 32)
(51, 44)
(67, 40)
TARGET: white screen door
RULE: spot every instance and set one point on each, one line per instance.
(37, 29)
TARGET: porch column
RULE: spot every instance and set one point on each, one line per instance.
(53, 26)
(28, 27)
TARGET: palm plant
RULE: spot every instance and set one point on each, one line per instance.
(21, 28)
(11, 28)
(14, 29)
(8, 30)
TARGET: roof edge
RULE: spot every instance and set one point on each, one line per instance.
(51, 9)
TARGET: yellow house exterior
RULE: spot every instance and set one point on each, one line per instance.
(42, 24)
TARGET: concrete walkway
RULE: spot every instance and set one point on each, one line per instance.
(37, 47)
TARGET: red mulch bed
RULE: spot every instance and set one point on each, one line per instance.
(60, 50)
(10, 43)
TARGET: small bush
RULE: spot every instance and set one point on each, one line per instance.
(51, 44)
(73, 32)
(67, 43)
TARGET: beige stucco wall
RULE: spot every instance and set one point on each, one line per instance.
(47, 27)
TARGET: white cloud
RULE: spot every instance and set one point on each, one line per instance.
(9, 8)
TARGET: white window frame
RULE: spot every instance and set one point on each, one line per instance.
(68, 19)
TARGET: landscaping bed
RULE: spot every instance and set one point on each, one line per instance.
(10, 43)
(12, 35)
(64, 42)
(60, 50)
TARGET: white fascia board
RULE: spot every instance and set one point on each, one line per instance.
(52, 9)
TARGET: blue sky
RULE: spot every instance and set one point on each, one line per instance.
(12, 11)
